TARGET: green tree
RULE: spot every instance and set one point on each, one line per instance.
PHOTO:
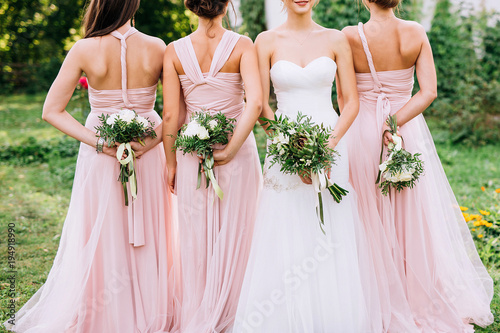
(165, 19)
(254, 17)
(453, 48)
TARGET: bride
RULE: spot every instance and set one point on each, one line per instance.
(299, 279)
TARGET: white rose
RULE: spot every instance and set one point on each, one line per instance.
(281, 138)
(127, 115)
(143, 121)
(202, 133)
(405, 177)
(398, 142)
(212, 123)
(191, 128)
(112, 119)
(393, 178)
(291, 132)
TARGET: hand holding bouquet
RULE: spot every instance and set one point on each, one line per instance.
(301, 147)
(199, 136)
(401, 169)
(124, 127)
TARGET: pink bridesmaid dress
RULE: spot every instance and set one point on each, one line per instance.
(445, 283)
(215, 235)
(111, 272)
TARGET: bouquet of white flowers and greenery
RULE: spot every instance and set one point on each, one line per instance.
(199, 136)
(401, 169)
(301, 147)
(124, 127)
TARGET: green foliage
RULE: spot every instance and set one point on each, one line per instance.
(32, 40)
(203, 132)
(33, 151)
(165, 19)
(468, 85)
(35, 35)
(491, 60)
(299, 145)
(401, 169)
(254, 17)
(337, 14)
(124, 127)
(452, 47)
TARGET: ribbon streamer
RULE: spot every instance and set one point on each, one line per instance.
(127, 165)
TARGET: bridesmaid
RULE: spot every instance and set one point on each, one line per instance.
(446, 285)
(216, 70)
(112, 267)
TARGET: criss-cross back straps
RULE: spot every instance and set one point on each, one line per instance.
(223, 51)
(123, 59)
(187, 56)
(368, 55)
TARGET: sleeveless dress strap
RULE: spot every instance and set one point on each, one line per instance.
(123, 59)
(185, 52)
(223, 51)
(383, 109)
(368, 55)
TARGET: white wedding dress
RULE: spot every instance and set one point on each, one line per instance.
(299, 279)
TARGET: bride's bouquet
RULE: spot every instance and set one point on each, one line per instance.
(301, 147)
(401, 169)
(199, 136)
(124, 127)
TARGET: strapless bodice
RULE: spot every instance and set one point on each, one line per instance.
(305, 89)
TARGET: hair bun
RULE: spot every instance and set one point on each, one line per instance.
(386, 3)
(206, 8)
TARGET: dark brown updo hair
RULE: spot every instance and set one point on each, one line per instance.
(206, 8)
(386, 3)
(104, 16)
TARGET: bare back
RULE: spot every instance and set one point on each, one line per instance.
(144, 58)
(205, 47)
(394, 45)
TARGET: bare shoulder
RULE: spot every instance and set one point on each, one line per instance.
(351, 33)
(266, 38)
(245, 43)
(412, 30)
(337, 39)
(154, 43)
(170, 52)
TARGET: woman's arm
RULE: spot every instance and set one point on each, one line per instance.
(263, 43)
(426, 75)
(171, 102)
(54, 108)
(346, 86)
(249, 70)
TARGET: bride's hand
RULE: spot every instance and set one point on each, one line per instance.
(305, 177)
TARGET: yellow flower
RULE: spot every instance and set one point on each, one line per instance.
(482, 188)
(473, 229)
(484, 212)
(480, 236)
(477, 224)
(463, 209)
(489, 224)
(497, 190)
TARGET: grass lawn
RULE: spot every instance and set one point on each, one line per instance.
(35, 196)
